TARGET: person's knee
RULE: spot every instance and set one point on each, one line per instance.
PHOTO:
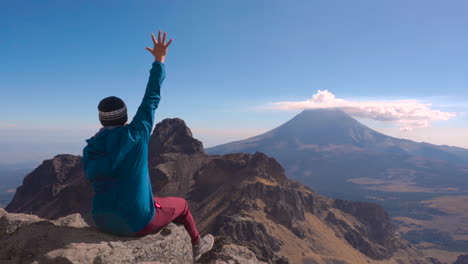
(185, 203)
(183, 206)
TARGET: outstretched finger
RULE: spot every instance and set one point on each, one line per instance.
(169, 43)
(149, 49)
(154, 39)
(164, 37)
(159, 36)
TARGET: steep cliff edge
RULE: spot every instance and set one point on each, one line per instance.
(244, 199)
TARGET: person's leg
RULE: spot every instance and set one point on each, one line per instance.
(172, 209)
(182, 215)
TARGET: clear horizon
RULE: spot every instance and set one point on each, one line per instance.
(229, 63)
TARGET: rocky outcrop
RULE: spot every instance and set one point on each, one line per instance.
(223, 252)
(246, 200)
(173, 136)
(174, 156)
(29, 239)
(246, 231)
(376, 237)
(462, 259)
(56, 188)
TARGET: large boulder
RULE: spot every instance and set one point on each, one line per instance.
(29, 239)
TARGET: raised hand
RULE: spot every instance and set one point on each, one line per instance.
(160, 47)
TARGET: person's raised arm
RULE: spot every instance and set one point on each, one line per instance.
(144, 118)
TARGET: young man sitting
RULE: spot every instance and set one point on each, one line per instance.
(115, 161)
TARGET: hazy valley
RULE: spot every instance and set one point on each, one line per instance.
(11, 176)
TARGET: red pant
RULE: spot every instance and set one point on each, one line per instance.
(171, 209)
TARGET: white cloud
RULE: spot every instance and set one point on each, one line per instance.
(409, 114)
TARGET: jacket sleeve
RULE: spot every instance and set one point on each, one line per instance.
(142, 123)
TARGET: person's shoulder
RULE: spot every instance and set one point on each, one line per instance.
(131, 134)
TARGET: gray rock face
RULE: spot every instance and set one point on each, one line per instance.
(244, 230)
(380, 241)
(231, 254)
(30, 239)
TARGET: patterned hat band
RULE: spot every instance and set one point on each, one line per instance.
(117, 114)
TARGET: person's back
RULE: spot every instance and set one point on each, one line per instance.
(114, 164)
(115, 161)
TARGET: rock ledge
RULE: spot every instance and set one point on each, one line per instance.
(29, 239)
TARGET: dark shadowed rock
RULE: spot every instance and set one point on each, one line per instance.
(462, 259)
(174, 155)
(56, 188)
(173, 136)
(382, 237)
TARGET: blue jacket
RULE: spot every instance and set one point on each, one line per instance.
(116, 163)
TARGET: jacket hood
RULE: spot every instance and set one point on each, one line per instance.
(99, 143)
(105, 151)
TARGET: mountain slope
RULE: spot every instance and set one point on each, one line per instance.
(323, 127)
(334, 154)
(244, 199)
(337, 156)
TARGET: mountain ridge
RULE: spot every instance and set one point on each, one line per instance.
(334, 154)
(244, 199)
(333, 123)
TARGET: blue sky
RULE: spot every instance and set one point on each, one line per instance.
(228, 60)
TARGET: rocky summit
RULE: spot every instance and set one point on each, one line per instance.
(257, 214)
(27, 238)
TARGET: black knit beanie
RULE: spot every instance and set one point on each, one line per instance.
(112, 111)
